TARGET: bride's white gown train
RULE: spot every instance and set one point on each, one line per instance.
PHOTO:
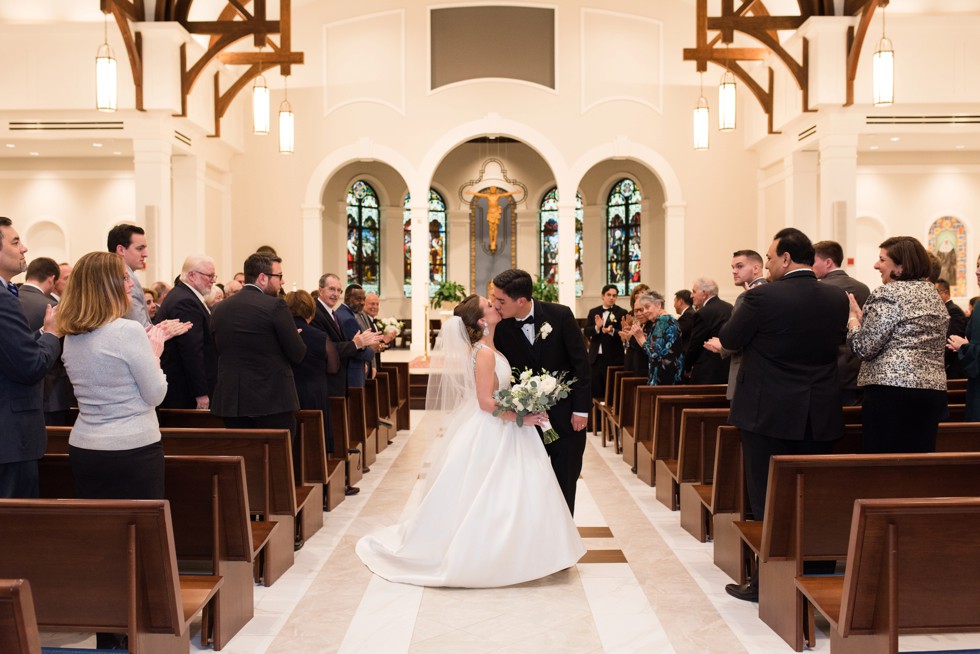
(493, 515)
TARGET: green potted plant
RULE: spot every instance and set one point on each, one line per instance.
(544, 291)
(448, 292)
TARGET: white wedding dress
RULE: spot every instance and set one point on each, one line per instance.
(493, 514)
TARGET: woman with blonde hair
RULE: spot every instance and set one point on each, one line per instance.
(114, 367)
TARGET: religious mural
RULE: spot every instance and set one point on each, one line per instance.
(947, 240)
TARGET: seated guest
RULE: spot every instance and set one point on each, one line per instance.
(605, 347)
(660, 339)
(635, 360)
(684, 307)
(900, 337)
(957, 327)
(310, 374)
(151, 302)
(967, 350)
(114, 446)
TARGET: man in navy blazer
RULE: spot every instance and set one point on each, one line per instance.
(26, 355)
(346, 315)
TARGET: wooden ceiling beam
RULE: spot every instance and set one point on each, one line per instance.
(855, 43)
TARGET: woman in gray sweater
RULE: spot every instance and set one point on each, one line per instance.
(114, 366)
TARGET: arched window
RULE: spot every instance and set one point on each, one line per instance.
(437, 242)
(548, 213)
(363, 237)
(623, 235)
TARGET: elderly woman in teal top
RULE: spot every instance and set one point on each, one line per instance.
(660, 337)
(968, 351)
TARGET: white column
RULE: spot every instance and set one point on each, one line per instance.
(674, 213)
(152, 174)
(566, 247)
(838, 189)
(223, 251)
(801, 195)
(188, 208)
(312, 244)
(419, 213)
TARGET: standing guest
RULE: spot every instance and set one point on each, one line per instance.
(257, 345)
(346, 314)
(151, 303)
(311, 372)
(746, 273)
(635, 360)
(684, 308)
(967, 351)
(787, 400)
(957, 327)
(605, 346)
(660, 339)
(35, 298)
(827, 260)
(973, 303)
(702, 366)
(216, 295)
(114, 446)
(232, 287)
(900, 337)
(191, 361)
(26, 356)
(161, 289)
(372, 307)
(63, 277)
(240, 278)
(129, 242)
(358, 347)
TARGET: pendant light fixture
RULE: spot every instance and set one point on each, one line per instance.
(701, 120)
(260, 105)
(726, 100)
(883, 69)
(287, 131)
(105, 73)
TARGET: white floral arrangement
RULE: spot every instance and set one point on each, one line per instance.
(391, 326)
(531, 393)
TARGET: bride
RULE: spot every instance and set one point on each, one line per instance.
(492, 513)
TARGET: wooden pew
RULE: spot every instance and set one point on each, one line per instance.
(669, 429)
(912, 568)
(398, 394)
(363, 429)
(18, 624)
(386, 418)
(212, 531)
(624, 380)
(309, 491)
(107, 566)
(652, 426)
(608, 409)
(808, 516)
(695, 467)
(342, 444)
(599, 414)
(417, 385)
(316, 465)
(622, 422)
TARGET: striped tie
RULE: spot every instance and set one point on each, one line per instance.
(12, 287)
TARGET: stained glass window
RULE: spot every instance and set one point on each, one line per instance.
(548, 213)
(437, 242)
(363, 237)
(623, 235)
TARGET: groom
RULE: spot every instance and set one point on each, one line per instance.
(542, 335)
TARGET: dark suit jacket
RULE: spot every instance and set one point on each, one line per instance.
(612, 346)
(344, 348)
(705, 366)
(563, 349)
(190, 361)
(355, 364)
(788, 332)
(957, 326)
(58, 392)
(25, 358)
(848, 365)
(257, 344)
(686, 322)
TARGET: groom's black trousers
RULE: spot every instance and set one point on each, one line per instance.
(566, 460)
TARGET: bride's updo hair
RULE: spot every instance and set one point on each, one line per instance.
(471, 313)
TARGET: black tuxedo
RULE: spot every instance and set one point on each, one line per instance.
(190, 361)
(610, 344)
(787, 400)
(705, 366)
(59, 396)
(344, 349)
(686, 323)
(848, 365)
(257, 345)
(562, 349)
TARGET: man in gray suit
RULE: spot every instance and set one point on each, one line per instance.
(26, 355)
(35, 298)
(827, 260)
(129, 242)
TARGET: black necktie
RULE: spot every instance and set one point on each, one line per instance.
(12, 287)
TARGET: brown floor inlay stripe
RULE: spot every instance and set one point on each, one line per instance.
(603, 556)
(595, 532)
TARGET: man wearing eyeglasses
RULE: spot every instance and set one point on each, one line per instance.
(190, 361)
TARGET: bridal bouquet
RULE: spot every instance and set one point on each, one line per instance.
(391, 326)
(532, 393)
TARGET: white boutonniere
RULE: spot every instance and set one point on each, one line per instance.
(544, 331)
(612, 317)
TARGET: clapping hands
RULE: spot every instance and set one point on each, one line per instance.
(163, 331)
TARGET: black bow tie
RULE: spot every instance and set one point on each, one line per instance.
(525, 321)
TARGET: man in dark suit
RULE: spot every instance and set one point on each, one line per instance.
(605, 347)
(700, 365)
(359, 365)
(788, 397)
(683, 307)
(828, 257)
(26, 355)
(257, 345)
(957, 327)
(547, 337)
(190, 361)
(35, 298)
